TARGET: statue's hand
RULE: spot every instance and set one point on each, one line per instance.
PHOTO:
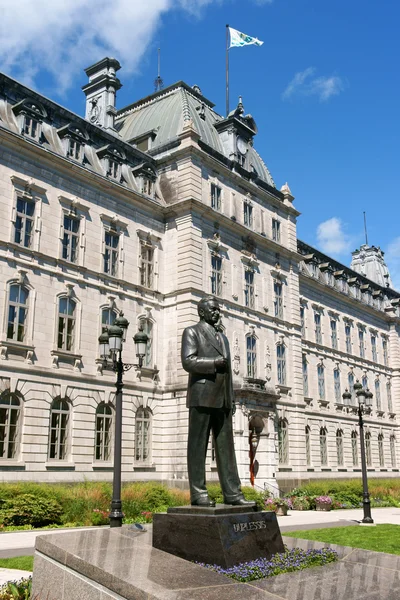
(221, 364)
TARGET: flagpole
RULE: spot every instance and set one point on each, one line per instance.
(227, 70)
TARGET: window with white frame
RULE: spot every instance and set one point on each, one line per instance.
(336, 385)
(339, 448)
(247, 214)
(389, 396)
(103, 445)
(347, 333)
(305, 376)
(281, 363)
(66, 324)
(249, 295)
(251, 356)
(354, 448)
(381, 452)
(318, 328)
(108, 316)
(334, 341)
(278, 301)
(392, 442)
(373, 348)
(17, 312)
(302, 321)
(276, 230)
(351, 386)
(111, 253)
(70, 241)
(10, 415)
(361, 342)
(216, 194)
(146, 265)
(385, 352)
(59, 425)
(308, 445)
(148, 329)
(378, 395)
(143, 434)
(283, 442)
(368, 450)
(323, 446)
(23, 227)
(216, 275)
(321, 381)
(364, 382)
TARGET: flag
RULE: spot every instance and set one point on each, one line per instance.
(242, 39)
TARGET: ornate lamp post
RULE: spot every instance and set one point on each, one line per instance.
(111, 342)
(364, 398)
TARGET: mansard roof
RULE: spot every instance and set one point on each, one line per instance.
(165, 113)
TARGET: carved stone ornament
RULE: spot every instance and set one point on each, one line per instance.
(268, 366)
(95, 110)
(236, 356)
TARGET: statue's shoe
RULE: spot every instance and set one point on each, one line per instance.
(203, 501)
(241, 502)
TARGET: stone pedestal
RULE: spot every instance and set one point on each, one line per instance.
(223, 535)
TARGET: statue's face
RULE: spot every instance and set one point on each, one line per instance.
(211, 312)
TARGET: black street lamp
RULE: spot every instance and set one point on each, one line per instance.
(364, 398)
(111, 342)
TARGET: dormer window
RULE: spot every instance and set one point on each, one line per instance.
(75, 149)
(144, 142)
(30, 115)
(146, 176)
(147, 186)
(113, 159)
(114, 169)
(31, 127)
(73, 139)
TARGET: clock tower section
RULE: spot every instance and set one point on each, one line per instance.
(236, 133)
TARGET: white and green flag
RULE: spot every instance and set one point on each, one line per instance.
(242, 39)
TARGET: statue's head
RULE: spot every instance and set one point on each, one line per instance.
(209, 310)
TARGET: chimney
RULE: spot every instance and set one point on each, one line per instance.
(101, 92)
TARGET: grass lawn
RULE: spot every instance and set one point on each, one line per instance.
(382, 538)
(24, 563)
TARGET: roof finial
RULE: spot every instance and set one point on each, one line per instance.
(365, 228)
(158, 82)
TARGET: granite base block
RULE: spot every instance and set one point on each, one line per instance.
(224, 537)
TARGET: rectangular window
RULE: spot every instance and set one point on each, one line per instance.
(113, 169)
(281, 364)
(147, 187)
(216, 197)
(70, 239)
(75, 149)
(318, 329)
(302, 321)
(389, 396)
(361, 343)
(373, 346)
(23, 232)
(249, 288)
(321, 382)
(334, 334)
(216, 275)
(66, 324)
(146, 265)
(251, 356)
(278, 302)
(276, 230)
(347, 332)
(111, 241)
(351, 387)
(336, 384)
(385, 353)
(305, 376)
(378, 395)
(247, 214)
(31, 127)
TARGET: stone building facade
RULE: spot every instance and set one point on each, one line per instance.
(141, 211)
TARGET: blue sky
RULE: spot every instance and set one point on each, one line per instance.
(324, 89)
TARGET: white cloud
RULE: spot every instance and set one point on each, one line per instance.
(332, 239)
(63, 36)
(392, 256)
(304, 83)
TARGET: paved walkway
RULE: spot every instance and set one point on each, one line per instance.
(21, 543)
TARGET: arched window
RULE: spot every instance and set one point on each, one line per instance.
(368, 453)
(251, 356)
(66, 324)
(354, 448)
(308, 445)
(283, 442)
(143, 434)
(17, 313)
(381, 452)
(108, 316)
(281, 363)
(59, 424)
(339, 447)
(148, 328)
(393, 451)
(321, 382)
(323, 446)
(10, 410)
(104, 415)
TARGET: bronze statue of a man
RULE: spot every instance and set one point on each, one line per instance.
(206, 357)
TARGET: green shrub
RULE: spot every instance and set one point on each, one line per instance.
(17, 590)
(27, 509)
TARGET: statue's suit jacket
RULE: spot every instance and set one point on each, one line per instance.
(207, 387)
